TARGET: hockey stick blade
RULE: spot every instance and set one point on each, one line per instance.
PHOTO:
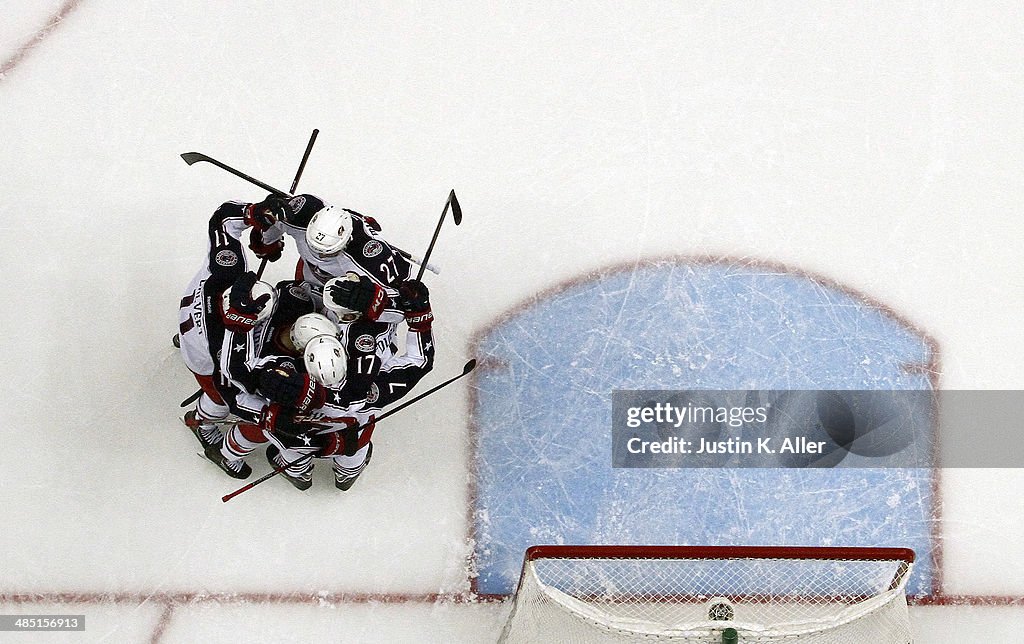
(195, 157)
(465, 370)
(191, 399)
(456, 208)
(453, 203)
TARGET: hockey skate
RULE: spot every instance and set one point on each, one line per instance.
(207, 434)
(344, 481)
(211, 439)
(303, 481)
(237, 469)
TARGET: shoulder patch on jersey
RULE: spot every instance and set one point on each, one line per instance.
(372, 248)
(298, 293)
(226, 258)
(296, 203)
(287, 365)
(373, 395)
(365, 343)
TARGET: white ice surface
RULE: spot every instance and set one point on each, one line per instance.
(879, 147)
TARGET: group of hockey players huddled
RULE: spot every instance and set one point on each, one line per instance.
(304, 366)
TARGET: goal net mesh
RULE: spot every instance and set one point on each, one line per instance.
(685, 594)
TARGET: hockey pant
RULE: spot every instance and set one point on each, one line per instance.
(211, 405)
(345, 467)
(349, 467)
(241, 441)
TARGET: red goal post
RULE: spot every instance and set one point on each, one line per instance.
(700, 594)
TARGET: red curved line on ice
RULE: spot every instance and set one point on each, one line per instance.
(21, 52)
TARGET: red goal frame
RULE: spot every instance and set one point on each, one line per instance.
(795, 553)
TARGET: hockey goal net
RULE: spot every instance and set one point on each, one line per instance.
(711, 595)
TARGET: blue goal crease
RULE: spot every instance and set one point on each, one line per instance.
(544, 416)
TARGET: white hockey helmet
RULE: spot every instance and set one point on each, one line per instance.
(326, 360)
(329, 231)
(259, 289)
(307, 327)
(344, 314)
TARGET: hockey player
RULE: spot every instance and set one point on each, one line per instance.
(204, 312)
(349, 447)
(332, 241)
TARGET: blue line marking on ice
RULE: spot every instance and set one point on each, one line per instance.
(543, 415)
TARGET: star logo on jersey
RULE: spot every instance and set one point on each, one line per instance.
(238, 348)
(428, 346)
(337, 397)
(306, 440)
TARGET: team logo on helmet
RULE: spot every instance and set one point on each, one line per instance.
(372, 248)
(365, 343)
(373, 395)
(297, 203)
(226, 258)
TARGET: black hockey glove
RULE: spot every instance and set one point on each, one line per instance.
(296, 391)
(275, 420)
(359, 294)
(266, 213)
(243, 311)
(270, 252)
(414, 300)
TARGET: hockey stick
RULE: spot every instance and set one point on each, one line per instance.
(465, 370)
(192, 158)
(433, 268)
(195, 157)
(295, 184)
(469, 366)
(305, 157)
(453, 203)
